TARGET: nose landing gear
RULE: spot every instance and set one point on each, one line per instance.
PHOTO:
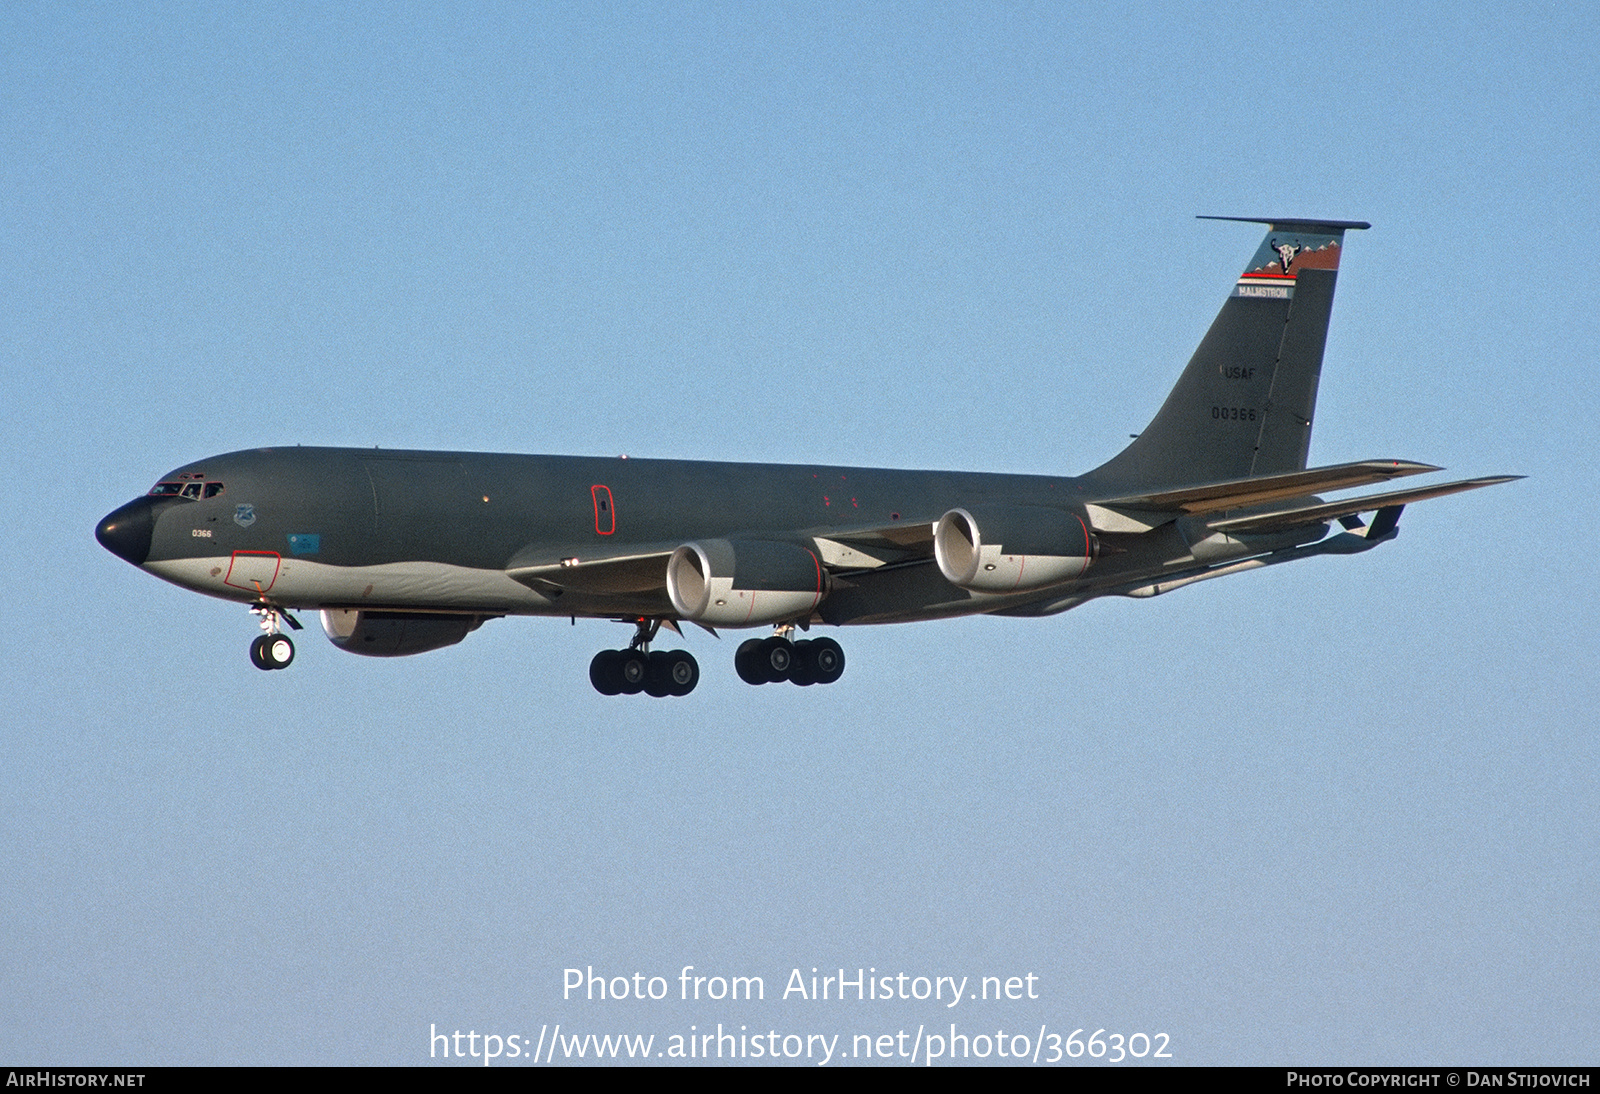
(272, 649)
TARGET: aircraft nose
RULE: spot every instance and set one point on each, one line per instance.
(126, 531)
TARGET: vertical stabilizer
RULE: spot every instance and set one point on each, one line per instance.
(1244, 405)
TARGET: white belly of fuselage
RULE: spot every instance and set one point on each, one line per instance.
(292, 582)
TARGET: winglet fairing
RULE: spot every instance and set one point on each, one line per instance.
(404, 552)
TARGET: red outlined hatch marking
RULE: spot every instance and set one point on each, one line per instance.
(254, 571)
(605, 512)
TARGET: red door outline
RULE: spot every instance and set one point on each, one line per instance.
(605, 510)
(250, 574)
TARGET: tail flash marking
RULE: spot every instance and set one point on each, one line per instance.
(1273, 271)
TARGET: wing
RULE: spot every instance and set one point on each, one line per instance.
(634, 581)
(1142, 512)
(872, 548)
(637, 571)
(1281, 519)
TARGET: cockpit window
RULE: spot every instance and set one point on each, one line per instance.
(192, 490)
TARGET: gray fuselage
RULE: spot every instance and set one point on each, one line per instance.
(443, 531)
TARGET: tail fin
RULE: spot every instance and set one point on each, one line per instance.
(1244, 404)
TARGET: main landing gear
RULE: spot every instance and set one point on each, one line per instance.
(272, 649)
(770, 660)
(675, 672)
(637, 668)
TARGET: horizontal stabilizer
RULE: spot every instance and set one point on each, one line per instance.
(1242, 493)
(1310, 514)
(1297, 224)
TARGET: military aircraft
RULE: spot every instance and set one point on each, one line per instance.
(404, 552)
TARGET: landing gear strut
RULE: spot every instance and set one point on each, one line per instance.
(272, 649)
(771, 660)
(637, 668)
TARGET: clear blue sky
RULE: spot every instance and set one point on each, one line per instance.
(1337, 812)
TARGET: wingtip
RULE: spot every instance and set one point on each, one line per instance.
(1407, 467)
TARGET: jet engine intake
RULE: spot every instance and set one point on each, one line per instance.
(1012, 548)
(744, 583)
(395, 634)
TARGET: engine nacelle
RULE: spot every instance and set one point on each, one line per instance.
(395, 634)
(744, 583)
(1011, 548)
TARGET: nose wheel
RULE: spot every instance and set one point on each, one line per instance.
(657, 673)
(272, 649)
